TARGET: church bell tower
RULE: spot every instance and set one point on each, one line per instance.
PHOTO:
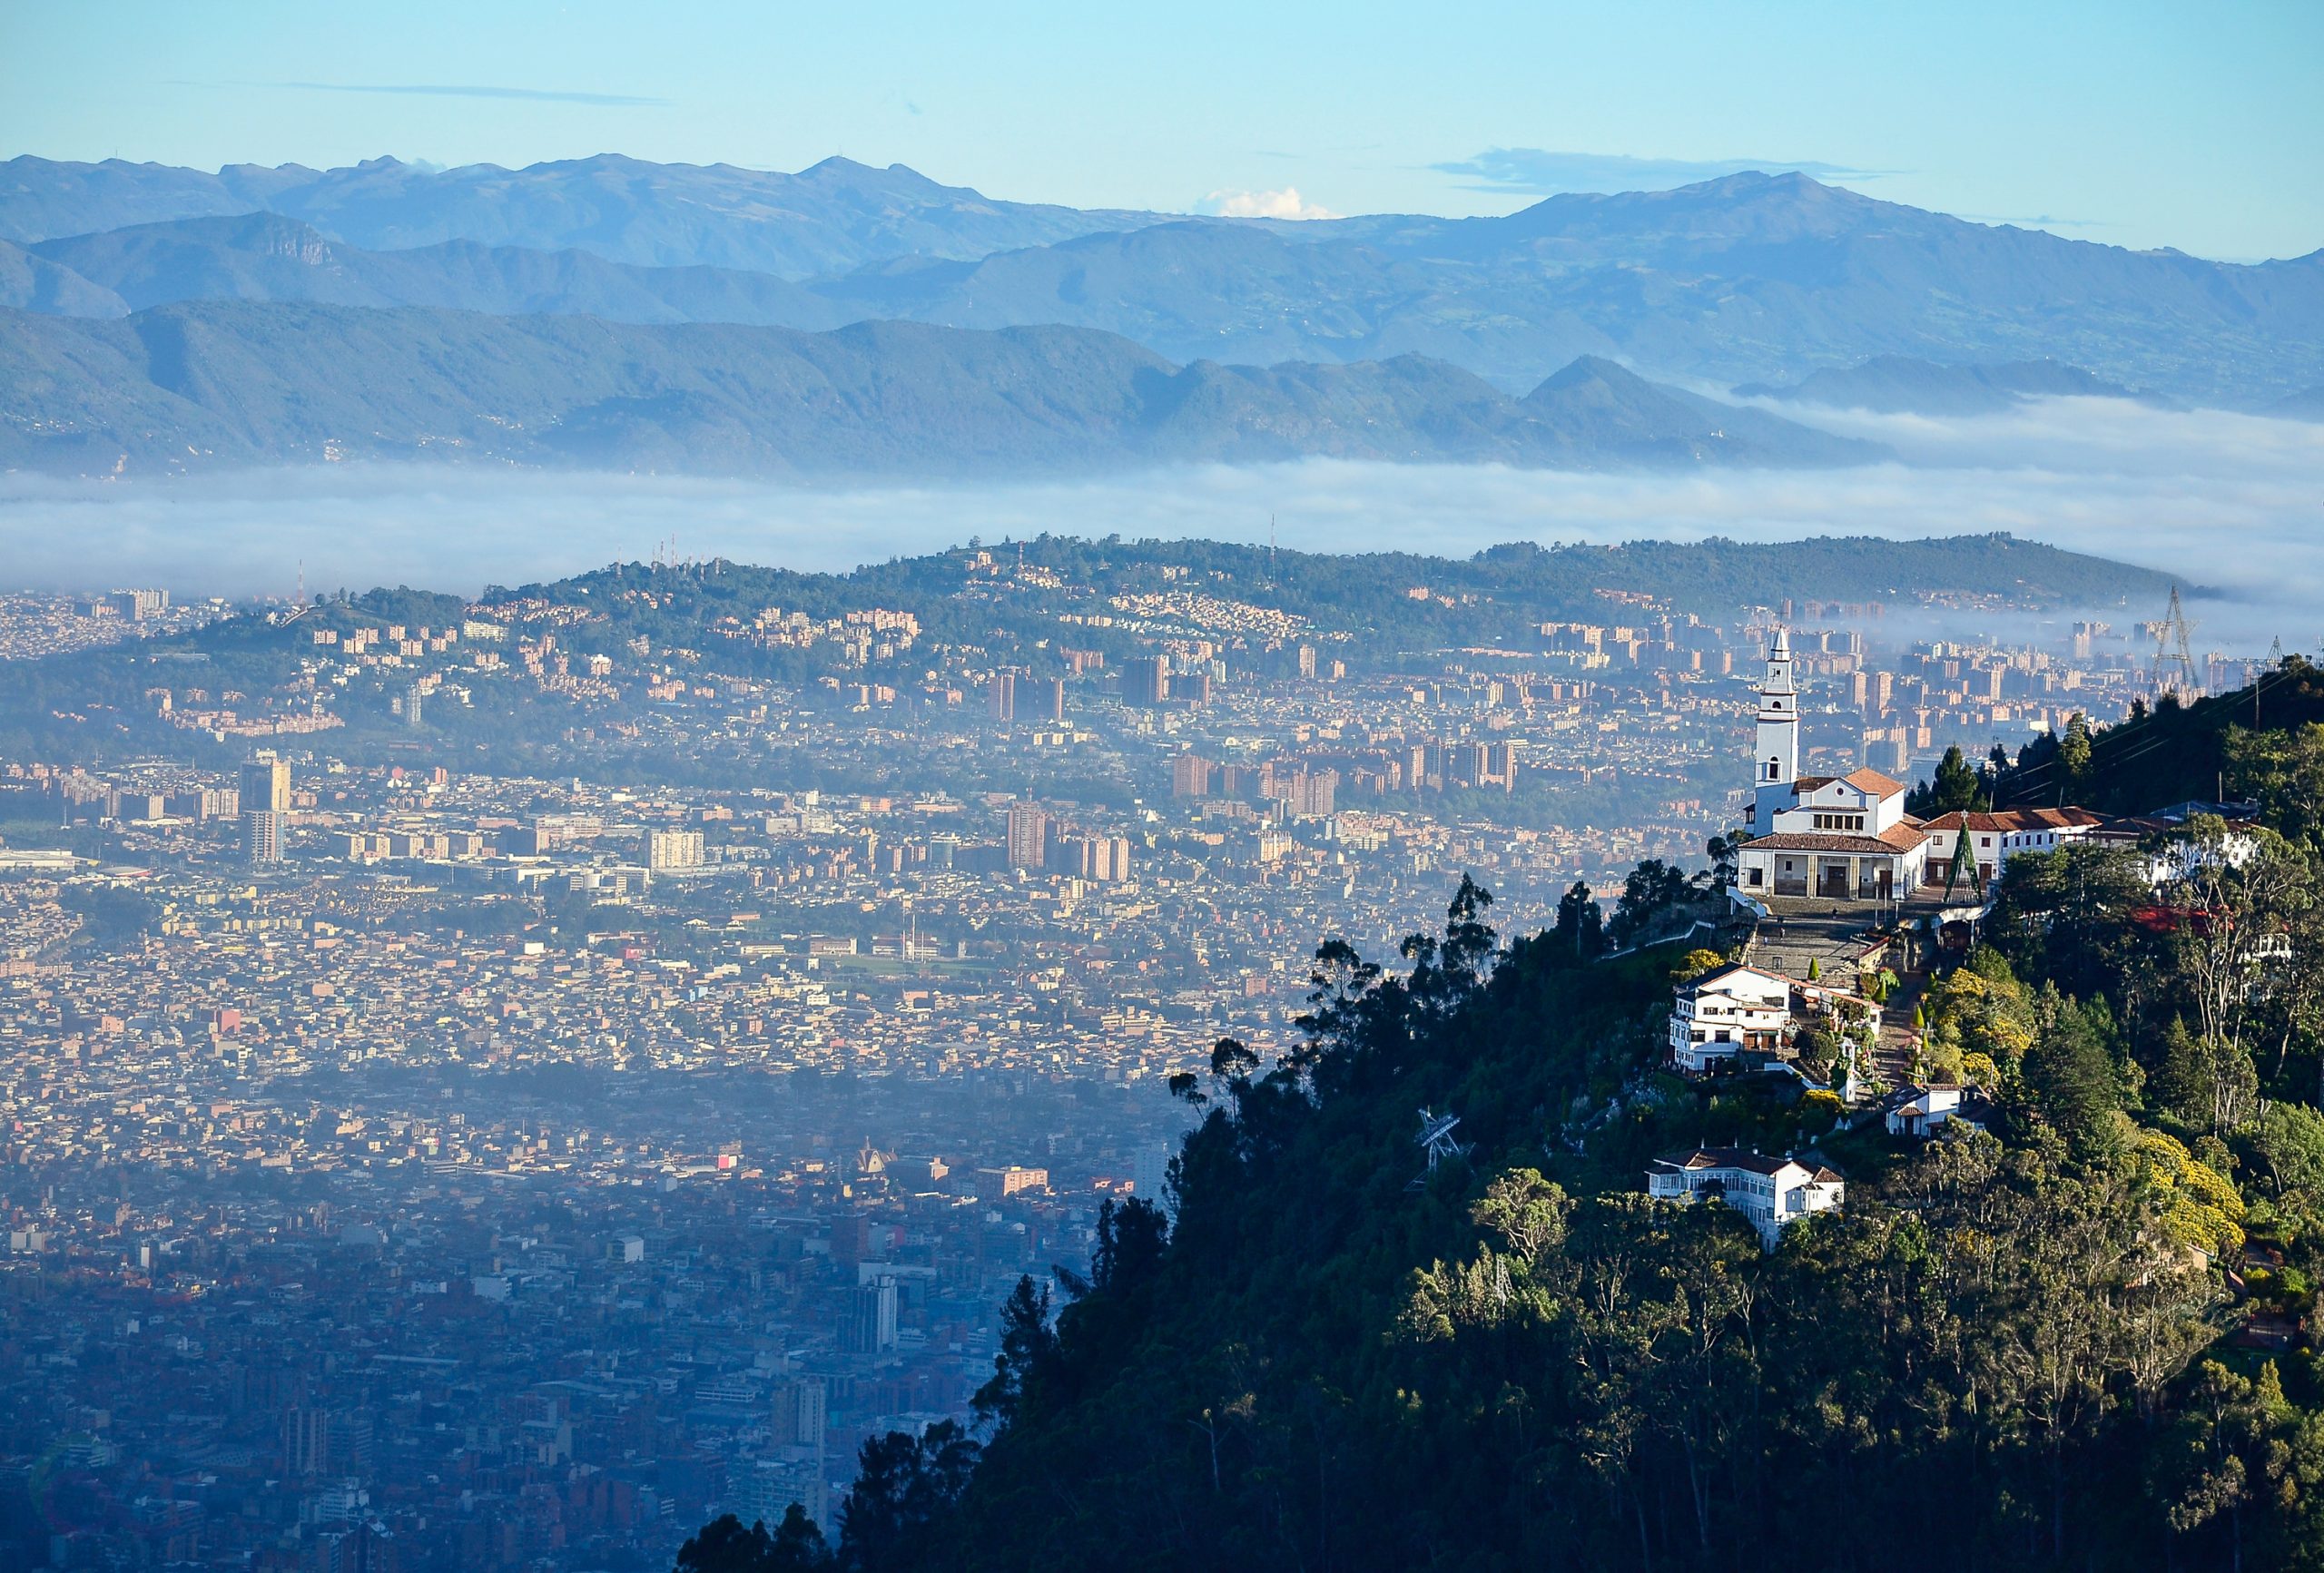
(1775, 763)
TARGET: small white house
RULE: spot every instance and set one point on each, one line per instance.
(1919, 1112)
(1737, 1008)
(1773, 1193)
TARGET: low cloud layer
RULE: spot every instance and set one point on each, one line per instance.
(1543, 172)
(2228, 501)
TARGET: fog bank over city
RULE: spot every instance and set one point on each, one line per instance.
(2231, 501)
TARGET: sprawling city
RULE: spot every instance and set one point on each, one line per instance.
(545, 1162)
(1411, 821)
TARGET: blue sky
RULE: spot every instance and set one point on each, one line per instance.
(2132, 124)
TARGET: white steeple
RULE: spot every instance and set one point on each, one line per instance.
(1775, 762)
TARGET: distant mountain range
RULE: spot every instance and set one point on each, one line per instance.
(834, 217)
(268, 256)
(608, 311)
(193, 385)
(1752, 278)
(1900, 385)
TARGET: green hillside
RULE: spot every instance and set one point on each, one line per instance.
(2024, 1346)
(2174, 754)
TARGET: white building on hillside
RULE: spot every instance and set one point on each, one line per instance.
(1773, 1193)
(1996, 838)
(1737, 1008)
(1842, 838)
(1920, 1112)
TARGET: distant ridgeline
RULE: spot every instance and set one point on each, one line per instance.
(1025, 603)
(206, 384)
(1390, 602)
(2169, 752)
(1397, 601)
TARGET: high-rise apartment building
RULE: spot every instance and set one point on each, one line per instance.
(1146, 680)
(1190, 776)
(1050, 698)
(667, 851)
(1000, 696)
(1312, 794)
(266, 786)
(1104, 859)
(262, 838)
(265, 799)
(801, 1407)
(1029, 836)
(137, 604)
(871, 1325)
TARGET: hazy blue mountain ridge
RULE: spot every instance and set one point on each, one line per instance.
(268, 257)
(832, 217)
(1749, 279)
(1898, 384)
(236, 383)
(29, 282)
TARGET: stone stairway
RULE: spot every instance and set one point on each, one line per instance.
(1892, 1058)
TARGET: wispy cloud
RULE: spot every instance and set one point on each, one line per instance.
(1286, 203)
(1543, 172)
(524, 95)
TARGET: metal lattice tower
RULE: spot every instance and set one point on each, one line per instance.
(1436, 1137)
(2174, 664)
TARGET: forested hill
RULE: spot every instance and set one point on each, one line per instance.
(2171, 753)
(1392, 601)
(2009, 1351)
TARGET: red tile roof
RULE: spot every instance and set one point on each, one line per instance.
(1895, 838)
(2009, 821)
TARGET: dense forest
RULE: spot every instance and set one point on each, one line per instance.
(2084, 1339)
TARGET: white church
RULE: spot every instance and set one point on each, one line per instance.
(1841, 837)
